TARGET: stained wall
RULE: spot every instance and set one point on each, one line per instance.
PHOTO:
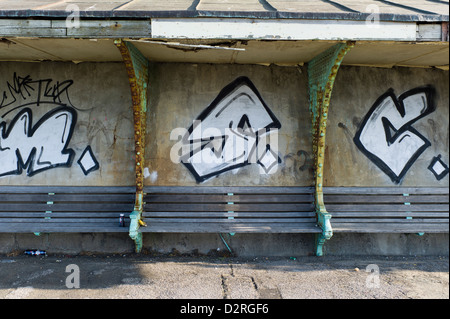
(71, 124)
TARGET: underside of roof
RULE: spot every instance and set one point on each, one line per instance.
(288, 53)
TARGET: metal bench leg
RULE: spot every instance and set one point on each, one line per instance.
(135, 216)
(327, 232)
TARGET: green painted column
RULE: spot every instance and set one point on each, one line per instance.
(137, 70)
(322, 71)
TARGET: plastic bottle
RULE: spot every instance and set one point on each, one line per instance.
(35, 252)
(122, 220)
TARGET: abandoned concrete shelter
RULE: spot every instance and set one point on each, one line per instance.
(258, 127)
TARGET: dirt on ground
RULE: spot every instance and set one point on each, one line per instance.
(133, 276)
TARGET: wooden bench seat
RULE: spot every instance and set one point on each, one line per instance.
(388, 209)
(230, 210)
(53, 209)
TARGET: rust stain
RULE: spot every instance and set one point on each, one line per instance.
(138, 92)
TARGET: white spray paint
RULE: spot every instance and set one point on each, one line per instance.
(37, 146)
(387, 136)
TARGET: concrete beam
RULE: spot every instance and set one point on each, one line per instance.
(283, 29)
(212, 28)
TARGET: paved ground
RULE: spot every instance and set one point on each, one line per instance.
(200, 277)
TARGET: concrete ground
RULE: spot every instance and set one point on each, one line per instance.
(215, 277)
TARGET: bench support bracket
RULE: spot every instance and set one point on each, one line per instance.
(137, 69)
(322, 71)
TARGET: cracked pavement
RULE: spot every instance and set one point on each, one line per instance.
(203, 277)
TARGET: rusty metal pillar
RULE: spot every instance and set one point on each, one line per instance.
(137, 69)
(322, 71)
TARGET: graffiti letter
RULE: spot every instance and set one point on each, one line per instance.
(226, 133)
(386, 135)
(36, 147)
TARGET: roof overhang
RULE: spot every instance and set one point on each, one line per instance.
(254, 32)
(392, 10)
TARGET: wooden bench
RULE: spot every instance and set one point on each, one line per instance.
(229, 210)
(53, 209)
(388, 209)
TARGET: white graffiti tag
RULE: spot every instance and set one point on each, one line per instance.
(36, 147)
(386, 135)
(235, 130)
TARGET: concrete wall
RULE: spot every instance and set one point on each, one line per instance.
(99, 95)
(179, 93)
(244, 245)
(356, 90)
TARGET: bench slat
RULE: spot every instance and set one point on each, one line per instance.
(389, 214)
(35, 227)
(29, 207)
(213, 198)
(391, 228)
(231, 228)
(380, 199)
(385, 190)
(227, 189)
(62, 220)
(226, 214)
(389, 220)
(226, 207)
(401, 208)
(116, 198)
(61, 214)
(237, 220)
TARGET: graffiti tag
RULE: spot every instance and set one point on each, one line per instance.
(386, 135)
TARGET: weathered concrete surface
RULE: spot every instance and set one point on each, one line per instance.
(165, 277)
(355, 91)
(180, 92)
(242, 245)
(387, 244)
(100, 95)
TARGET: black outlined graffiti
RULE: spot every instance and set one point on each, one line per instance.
(27, 92)
(37, 147)
(88, 162)
(386, 135)
(438, 167)
(232, 132)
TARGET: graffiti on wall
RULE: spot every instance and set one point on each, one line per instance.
(42, 144)
(386, 135)
(438, 167)
(235, 130)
